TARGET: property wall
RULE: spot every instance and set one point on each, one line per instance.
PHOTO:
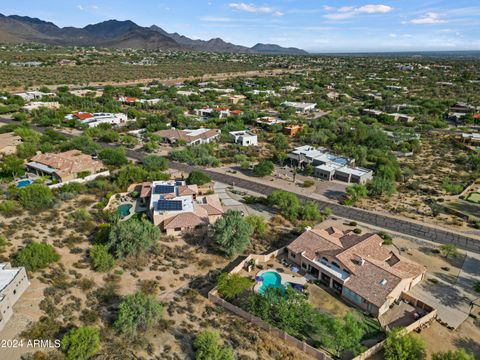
(81, 181)
(300, 345)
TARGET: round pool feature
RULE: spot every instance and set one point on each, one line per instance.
(23, 183)
(271, 279)
(124, 210)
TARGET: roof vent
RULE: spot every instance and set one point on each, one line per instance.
(308, 228)
(362, 261)
(383, 282)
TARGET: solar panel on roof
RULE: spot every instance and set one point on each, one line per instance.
(164, 189)
(169, 205)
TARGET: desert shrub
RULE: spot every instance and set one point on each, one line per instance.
(81, 343)
(101, 259)
(36, 256)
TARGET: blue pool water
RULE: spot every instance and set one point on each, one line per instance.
(270, 279)
(124, 210)
(23, 183)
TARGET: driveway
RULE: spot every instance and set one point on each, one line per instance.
(452, 306)
(452, 301)
(231, 202)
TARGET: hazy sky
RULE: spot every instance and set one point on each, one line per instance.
(314, 25)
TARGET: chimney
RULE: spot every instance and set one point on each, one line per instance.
(308, 228)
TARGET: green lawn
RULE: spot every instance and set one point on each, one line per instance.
(474, 197)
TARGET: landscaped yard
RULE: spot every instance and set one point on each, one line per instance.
(326, 303)
(474, 197)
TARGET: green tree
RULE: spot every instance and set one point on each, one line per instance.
(401, 346)
(132, 238)
(208, 346)
(280, 141)
(310, 212)
(11, 166)
(344, 334)
(459, 354)
(197, 177)
(355, 193)
(287, 202)
(36, 197)
(138, 312)
(36, 256)
(101, 259)
(449, 250)
(232, 233)
(81, 343)
(113, 156)
(155, 163)
(381, 186)
(232, 285)
(263, 168)
(258, 224)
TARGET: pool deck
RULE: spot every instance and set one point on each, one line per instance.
(285, 278)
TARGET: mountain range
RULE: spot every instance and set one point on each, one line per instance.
(120, 34)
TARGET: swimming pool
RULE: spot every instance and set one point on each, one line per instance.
(23, 183)
(124, 210)
(270, 279)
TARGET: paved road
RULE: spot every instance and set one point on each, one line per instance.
(387, 222)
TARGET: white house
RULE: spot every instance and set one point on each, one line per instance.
(244, 138)
(13, 283)
(95, 119)
(33, 95)
(300, 107)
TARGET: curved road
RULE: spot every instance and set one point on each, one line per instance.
(406, 227)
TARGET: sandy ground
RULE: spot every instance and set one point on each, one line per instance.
(182, 269)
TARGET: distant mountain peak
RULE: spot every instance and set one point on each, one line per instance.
(120, 33)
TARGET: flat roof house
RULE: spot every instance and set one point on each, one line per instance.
(329, 166)
(95, 119)
(357, 267)
(176, 207)
(191, 137)
(300, 107)
(244, 138)
(64, 166)
(13, 283)
(471, 138)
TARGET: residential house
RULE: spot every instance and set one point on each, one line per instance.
(191, 137)
(292, 130)
(329, 166)
(244, 138)
(95, 119)
(34, 95)
(186, 93)
(176, 207)
(209, 112)
(372, 112)
(471, 138)
(270, 121)
(402, 117)
(66, 166)
(357, 267)
(234, 99)
(8, 143)
(300, 107)
(263, 92)
(13, 283)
